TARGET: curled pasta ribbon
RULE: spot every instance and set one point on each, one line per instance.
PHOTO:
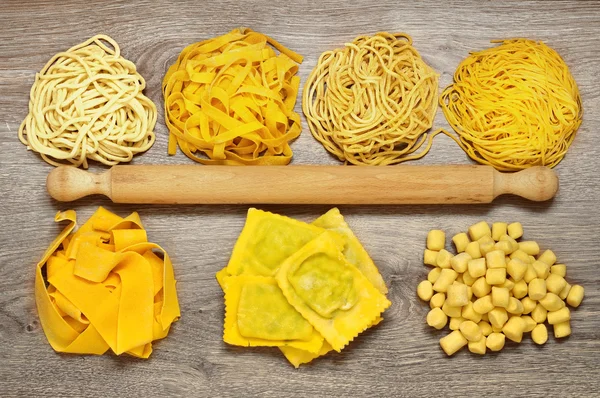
(371, 102)
(87, 103)
(232, 98)
(514, 106)
(105, 287)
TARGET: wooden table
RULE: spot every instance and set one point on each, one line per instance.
(400, 357)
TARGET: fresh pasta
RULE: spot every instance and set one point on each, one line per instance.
(258, 314)
(232, 98)
(329, 292)
(372, 102)
(514, 106)
(87, 103)
(104, 287)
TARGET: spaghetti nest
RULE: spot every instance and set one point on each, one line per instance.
(514, 106)
(232, 98)
(87, 103)
(371, 102)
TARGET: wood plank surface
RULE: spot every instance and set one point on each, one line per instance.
(401, 356)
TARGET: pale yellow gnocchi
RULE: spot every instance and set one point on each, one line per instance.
(495, 288)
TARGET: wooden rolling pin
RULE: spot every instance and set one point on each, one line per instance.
(301, 184)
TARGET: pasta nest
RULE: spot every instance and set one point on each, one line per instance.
(231, 98)
(514, 106)
(87, 103)
(371, 102)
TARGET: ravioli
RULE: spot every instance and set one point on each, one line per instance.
(258, 314)
(221, 278)
(266, 240)
(354, 251)
(298, 357)
(329, 292)
(356, 255)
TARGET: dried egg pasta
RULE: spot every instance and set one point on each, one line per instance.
(88, 103)
(514, 106)
(373, 101)
(332, 294)
(97, 297)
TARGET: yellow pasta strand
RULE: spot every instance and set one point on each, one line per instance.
(87, 103)
(514, 106)
(371, 102)
(232, 98)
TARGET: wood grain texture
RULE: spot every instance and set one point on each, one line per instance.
(400, 357)
(301, 184)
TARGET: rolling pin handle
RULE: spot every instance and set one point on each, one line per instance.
(538, 183)
(68, 183)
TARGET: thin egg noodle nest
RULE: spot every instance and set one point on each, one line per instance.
(514, 106)
(88, 103)
(371, 102)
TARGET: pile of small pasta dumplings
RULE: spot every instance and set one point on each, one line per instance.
(495, 288)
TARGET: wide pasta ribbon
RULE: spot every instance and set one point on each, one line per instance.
(105, 287)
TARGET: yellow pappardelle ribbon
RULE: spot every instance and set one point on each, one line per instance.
(104, 286)
(232, 98)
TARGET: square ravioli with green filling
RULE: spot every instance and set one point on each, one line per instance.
(298, 357)
(266, 240)
(354, 251)
(329, 292)
(258, 314)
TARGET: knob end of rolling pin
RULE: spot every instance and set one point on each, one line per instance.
(538, 183)
(68, 183)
